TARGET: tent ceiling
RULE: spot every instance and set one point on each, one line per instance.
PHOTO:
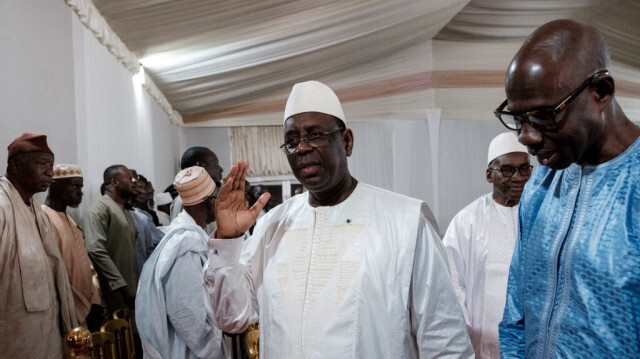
(205, 55)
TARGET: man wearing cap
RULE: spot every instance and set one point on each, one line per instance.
(205, 158)
(110, 235)
(66, 191)
(344, 270)
(479, 243)
(148, 234)
(574, 281)
(163, 201)
(171, 315)
(37, 307)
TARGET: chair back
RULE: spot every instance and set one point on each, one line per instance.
(124, 337)
(104, 345)
(129, 315)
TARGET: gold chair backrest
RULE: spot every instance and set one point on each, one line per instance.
(104, 345)
(127, 314)
(124, 337)
(251, 339)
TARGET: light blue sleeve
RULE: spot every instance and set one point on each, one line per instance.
(511, 329)
(186, 308)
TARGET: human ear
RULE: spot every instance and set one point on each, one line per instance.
(347, 136)
(15, 165)
(489, 176)
(605, 89)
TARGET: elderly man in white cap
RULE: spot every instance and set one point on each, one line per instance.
(480, 241)
(344, 270)
(170, 308)
(66, 191)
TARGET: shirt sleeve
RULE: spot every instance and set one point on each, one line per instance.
(186, 311)
(95, 236)
(436, 318)
(456, 243)
(511, 329)
(229, 281)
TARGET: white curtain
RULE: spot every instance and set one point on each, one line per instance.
(259, 146)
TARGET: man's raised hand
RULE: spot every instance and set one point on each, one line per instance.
(233, 217)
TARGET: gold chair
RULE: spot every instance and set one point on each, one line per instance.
(128, 315)
(251, 337)
(78, 341)
(124, 337)
(104, 345)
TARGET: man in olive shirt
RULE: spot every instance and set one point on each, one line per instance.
(110, 235)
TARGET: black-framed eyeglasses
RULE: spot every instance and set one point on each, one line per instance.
(314, 140)
(509, 170)
(543, 120)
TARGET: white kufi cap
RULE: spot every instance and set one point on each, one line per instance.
(313, 96)
(502, 144)
(163, 198)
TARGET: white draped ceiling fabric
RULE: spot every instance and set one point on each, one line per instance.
(215, 61)
(415, 77)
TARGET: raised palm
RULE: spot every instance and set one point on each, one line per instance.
(233, 216)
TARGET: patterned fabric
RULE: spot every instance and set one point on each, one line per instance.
(574, 282)
(66, 171)
(194, 185)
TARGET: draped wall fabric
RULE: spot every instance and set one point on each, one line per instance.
(260, 146)
(91, 18)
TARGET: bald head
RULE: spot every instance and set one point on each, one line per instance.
(561, 97)
(563, 51)
(203, 157)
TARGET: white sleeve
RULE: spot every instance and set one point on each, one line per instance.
(229, 285)
(436, 319)
(456, 243)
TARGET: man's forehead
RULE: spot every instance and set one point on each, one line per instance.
(512, 158)
(533, 84)
(309, 119)
(125, 171)
(30, 157)
(70, 180)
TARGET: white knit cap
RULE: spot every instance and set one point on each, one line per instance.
(313, 96)
(163, 198)
(504, 143)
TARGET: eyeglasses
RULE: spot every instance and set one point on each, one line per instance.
(509, 170)
(543, 120)
(314, 140)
